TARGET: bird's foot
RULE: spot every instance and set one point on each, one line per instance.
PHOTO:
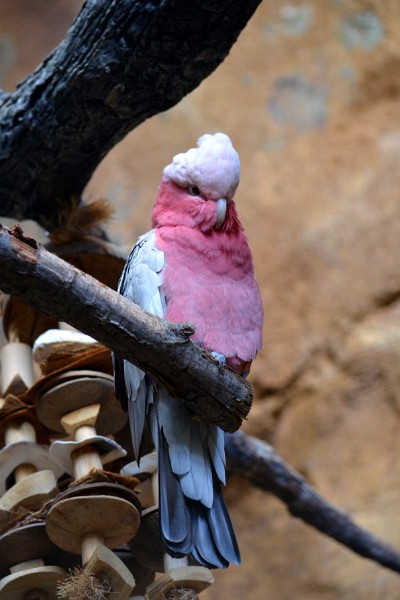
(220, 358)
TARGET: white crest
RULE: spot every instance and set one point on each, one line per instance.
(213, 166)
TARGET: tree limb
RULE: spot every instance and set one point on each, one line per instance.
(256, 461)
(121, 62)
(51, 285)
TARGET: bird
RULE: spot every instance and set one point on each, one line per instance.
(194, 265)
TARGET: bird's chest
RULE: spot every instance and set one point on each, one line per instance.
(203, 278)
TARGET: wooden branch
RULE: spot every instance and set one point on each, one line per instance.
(163, 349)
(257, 461)
(121, 62)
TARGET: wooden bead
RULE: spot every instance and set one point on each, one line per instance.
(24, 543)
(69, 520)
(30, 491)
(77, 389)
(110, 566)
(19, 453)
(61, 452)
(87, 415)
(41, 580)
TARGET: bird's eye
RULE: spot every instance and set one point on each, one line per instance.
(193, 190)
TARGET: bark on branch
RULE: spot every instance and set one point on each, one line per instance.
(121, 62)
(257, 461)
(163, 349)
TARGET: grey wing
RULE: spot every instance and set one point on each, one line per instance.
(140, 282)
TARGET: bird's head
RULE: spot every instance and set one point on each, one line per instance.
(198, 186)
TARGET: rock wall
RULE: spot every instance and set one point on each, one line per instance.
(310, 97)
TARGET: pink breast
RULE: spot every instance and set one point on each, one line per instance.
(208, 280)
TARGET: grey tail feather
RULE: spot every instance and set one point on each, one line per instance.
(136, 423)
(215, 544)
(189, 527)
(176, 533)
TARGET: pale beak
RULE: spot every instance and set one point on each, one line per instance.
(220, 207)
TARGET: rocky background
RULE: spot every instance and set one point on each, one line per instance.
(310, 96)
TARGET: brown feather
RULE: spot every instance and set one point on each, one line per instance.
(82, 221)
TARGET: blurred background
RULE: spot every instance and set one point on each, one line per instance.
(310, 95)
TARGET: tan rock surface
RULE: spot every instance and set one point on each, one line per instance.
(310, 95)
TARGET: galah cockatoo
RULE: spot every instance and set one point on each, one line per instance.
(194, 265)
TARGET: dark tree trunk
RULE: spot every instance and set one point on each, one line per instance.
(121, 62)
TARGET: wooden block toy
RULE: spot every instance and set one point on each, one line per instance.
(32, 580)
(23, 572)
(35, 474)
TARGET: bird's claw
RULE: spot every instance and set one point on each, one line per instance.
(220, 358)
